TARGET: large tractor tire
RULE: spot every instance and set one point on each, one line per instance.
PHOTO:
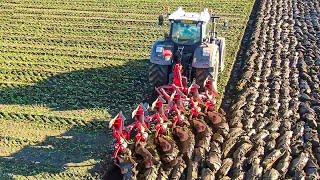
(158, 75)
(203, 73)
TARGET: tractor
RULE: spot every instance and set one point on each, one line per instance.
(192, 42)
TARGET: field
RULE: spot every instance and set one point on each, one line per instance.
(67, 66)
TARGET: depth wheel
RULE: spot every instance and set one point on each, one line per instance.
(202, 74)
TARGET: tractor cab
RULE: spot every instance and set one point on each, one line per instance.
(185, 32)
(189, 29)
(192, 42)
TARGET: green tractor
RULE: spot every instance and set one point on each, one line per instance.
(193, 42)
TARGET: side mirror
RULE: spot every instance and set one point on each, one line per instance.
(160, 20)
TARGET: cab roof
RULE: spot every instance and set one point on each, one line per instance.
(180, 14)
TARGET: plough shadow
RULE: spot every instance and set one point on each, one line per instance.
(116, 88)
(77, 148)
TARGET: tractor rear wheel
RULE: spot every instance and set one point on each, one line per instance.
(158, 75)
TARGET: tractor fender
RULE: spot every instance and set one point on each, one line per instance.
(221, 42)
(205, 56)
(156, 56)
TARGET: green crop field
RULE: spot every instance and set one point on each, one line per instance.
(67, 66)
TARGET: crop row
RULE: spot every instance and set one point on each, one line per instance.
(27, 64)
(102, 23)
(77, 52)
(77, 42)
(77, 38)
(52, 120)
(10, 141)
(97, 20)
(66, 12)
(149, 8)
(126, 2)
(40, 71)
(60, 60)
(105, 46)
(76, 55)
(95, 15)
(38, 24)
(30, 73)
(81, 31)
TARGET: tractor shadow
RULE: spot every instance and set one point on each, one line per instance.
(113, 88)
(116, 88)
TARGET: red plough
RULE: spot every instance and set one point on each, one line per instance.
(176, 107)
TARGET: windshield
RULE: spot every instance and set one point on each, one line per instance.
(186, 34)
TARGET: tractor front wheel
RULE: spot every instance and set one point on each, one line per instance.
(158, 75)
